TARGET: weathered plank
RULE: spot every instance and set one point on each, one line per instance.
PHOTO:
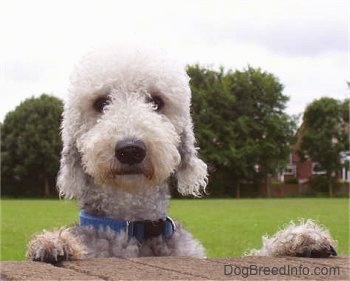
(35, 271)
(182, 268)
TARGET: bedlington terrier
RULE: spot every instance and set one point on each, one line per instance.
(126, 130)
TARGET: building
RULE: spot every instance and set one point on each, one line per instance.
(303, 171)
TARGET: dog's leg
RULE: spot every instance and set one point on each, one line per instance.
(306, 239)
(55, 246)
(184, 244)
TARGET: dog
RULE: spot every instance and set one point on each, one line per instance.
(126, 131)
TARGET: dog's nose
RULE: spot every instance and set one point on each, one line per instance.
(130, 151)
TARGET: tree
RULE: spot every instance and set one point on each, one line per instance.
(324, 134)
(30, 147)
(240, 122)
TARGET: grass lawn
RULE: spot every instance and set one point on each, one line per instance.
(226, 227)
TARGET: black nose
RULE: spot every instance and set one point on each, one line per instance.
(130, 151)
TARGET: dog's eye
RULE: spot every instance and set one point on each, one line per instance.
(158, 102)
(100, 103)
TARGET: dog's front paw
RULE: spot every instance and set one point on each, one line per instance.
(306, 239)
(324, 251)
(53, 247)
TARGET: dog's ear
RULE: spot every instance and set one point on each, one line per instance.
(192, 177)
(71, 177)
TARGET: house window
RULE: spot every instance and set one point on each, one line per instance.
(345, 161)
(317, 169)
(290, 170)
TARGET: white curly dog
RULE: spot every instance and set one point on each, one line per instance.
(126, 130)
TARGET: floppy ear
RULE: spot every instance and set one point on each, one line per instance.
(71, 177)
(192, 177)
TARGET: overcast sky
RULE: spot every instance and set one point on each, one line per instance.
(304, 43)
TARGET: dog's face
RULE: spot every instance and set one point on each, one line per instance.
(126, 122)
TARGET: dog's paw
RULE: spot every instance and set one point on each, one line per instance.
(47, 251)
(54, 247)
(306, 239)
(320, 252)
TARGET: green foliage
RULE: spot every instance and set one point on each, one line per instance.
(226, 227)
(325, 134)
(240, 122)
(320, 184)
(291, 181)
(30, 147)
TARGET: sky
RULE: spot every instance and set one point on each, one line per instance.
(303, 43)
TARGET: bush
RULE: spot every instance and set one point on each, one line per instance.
(291, 181)
(319, 184)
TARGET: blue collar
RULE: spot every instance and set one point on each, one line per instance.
(141, 230)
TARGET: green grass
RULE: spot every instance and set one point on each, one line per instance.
(230, 227)
(226, 227)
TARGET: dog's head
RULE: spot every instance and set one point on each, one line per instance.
(127, 124)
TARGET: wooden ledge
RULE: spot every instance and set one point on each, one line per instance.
(181, 268)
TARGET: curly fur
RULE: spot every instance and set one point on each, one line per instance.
(304, 239)
(90, 171)
(129, 79)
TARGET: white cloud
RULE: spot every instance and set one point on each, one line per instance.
(304, 43)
